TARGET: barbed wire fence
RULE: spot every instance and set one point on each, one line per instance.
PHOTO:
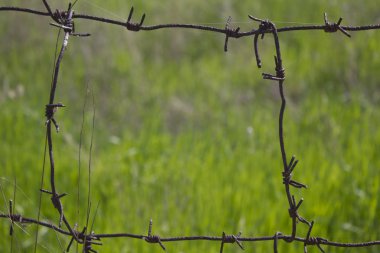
(64, 21)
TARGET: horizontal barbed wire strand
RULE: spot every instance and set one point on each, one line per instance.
(25, 220)
(192, 26)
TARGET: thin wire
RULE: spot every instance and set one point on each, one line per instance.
(250, 22)
(59, 242)
(90, 158)
(20, 190)
(40, 197)
(55, 57)
(79, 156)
(13, 211)
(195, 23)
(295, 22)
(72, 6)
(93, 220)
(104, 10)
(7, 208)
(5, 201)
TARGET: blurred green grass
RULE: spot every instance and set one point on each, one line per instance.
(186, 134)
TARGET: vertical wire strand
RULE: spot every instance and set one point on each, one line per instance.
(79, 155)
(13, 212)
(40, 195)
(45, 149)
(90, 161)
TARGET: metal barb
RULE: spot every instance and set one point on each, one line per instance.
(275, 241)
(58, 205)
(291, 162)
(69, 8)
(49, 9)
(65, 28)
(291, 168)
(267, 76)
(76, 237)
(297, 184)
(256, 19)
(334, 27)
(308, 236)
(293, 209)
(230, 239)
(131, 26)
(287, 176)
(265, 26)
(70, 243)
(320, 248)
(299, 203)
(50, 110)
(89, 241)
(230, 32)
(11, 228)
(65, 21)
(56, 200)
(153, 238)
(280, 71)
(150, 227)
(81, 34)
(313, 240)
(258, 60)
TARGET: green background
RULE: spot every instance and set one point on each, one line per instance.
(186, 134)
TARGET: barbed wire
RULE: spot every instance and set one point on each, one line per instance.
(64, 20)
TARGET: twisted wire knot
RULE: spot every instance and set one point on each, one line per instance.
(230, 239)
(80, 237)
(280, 72)
(16, 218)
(134, 26)
(62, 17)
(265, 25)
(56, 200)
(293, 211)
(287, 173)
(154, 239)
(286, 177)
(64, 20)
(89, 241)
(315, 240)
(331, 27)
(230, 32)
(50, 110)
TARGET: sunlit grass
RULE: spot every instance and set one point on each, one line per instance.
(187, 135)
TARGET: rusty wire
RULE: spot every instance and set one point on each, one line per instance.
(64, 19)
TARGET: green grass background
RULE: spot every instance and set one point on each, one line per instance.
(186, 134)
